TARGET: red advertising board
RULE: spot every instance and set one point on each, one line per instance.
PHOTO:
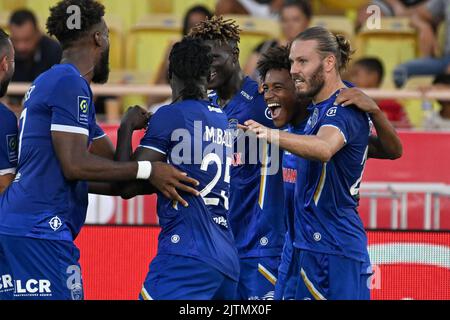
(408, 265)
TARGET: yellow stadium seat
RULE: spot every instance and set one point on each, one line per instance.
(116, 41)
(254, 31)
(4, 18)
(413, 107)
(343, 5)
(394, 43)
(158, 7)
(8, 5)
(41, 9)
(336, 24)
(130, 11)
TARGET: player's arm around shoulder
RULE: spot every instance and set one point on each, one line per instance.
(386, 144)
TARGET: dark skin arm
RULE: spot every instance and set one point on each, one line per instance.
(104, 148)
(5, 181)
(387, 144)
(168, 187)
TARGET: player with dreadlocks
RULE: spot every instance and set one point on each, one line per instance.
(197, 258)
(256, 209)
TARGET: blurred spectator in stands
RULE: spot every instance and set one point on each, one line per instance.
(389, 8)
(295, 17)
(257, 8)
(368, 73)
(439, 120)
(35, 52)
(426, 18)
(193, 16)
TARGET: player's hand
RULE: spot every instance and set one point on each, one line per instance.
(136, 118)
(261, 131)
(168, 180)
(355, 96)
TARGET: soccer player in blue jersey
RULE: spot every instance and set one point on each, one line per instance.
(333, 258)
(256, 209)
(8, 121)
(289, 109)
(289, 112)
(197, 258)
(43, 210)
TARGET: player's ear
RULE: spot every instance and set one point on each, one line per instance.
(4, 63)
(236, 54)
(98, 39)
(330, 63)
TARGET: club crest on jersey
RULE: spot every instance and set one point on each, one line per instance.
(55, 223)
(233, 128)
(268, 114)
(11, 142)
(83, 109)
(314, 118)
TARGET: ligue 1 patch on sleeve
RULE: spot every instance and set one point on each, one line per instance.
(11, 141)
(83, 109)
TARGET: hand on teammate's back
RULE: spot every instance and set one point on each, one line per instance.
(355, 96)
(136, 118)
(167, 179)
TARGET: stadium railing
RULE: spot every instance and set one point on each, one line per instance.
(398, 194)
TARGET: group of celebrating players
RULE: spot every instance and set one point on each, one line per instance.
(284, 226)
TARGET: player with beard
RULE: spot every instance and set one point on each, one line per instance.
(43, 210)
(290, 109)
(8, 121)
(256, 208)
(332, 257)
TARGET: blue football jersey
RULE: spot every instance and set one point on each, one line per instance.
(327, 194)
(290, 172)
(195, 138)
(41, 203)
(8, 141)
(256, 195)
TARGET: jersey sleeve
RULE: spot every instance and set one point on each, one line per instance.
(342, 118)
(71, 105)
(8, 144)
(160, 128)
(98, 132)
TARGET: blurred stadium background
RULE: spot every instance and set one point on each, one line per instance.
(405, 203)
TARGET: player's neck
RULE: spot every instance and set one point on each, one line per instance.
(300, 116)
(82, 60)
(329, 88)
(230, 88)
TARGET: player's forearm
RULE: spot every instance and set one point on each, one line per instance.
(387, 144)
(89, 167)
(124, 148)
(103, 188)
(308, 147)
